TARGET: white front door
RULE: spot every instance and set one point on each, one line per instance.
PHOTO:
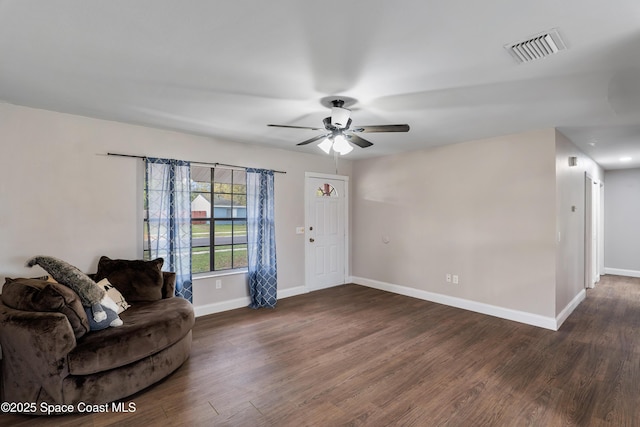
(326, 231)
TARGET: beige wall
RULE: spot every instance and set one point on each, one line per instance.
(622, 222)
(484, 210)
(570, 192)
(488, 211)
(61, 196)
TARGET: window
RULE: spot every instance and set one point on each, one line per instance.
(218, 219)
(327, 190)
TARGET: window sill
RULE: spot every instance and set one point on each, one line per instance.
(211, 274)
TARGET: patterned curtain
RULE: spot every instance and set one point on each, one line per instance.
(261, 237)
(168, 213)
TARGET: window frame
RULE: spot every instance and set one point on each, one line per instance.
(214, 221)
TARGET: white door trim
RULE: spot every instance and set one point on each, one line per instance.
(593, 231)
(345, 179)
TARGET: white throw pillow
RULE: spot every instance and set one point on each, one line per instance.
(114, 294)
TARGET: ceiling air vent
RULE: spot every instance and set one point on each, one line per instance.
(536, 47)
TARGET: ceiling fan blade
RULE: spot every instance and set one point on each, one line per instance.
(360, 142)
(295, 127)
(314, 139)
(382, 128)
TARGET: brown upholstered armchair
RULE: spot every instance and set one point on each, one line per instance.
(49, 354)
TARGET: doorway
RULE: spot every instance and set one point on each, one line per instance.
(326, 230)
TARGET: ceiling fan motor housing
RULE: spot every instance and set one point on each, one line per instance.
(339, 116)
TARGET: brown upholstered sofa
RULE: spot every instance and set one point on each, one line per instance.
(49, 354)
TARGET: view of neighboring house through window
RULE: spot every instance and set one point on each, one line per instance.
(218, 219)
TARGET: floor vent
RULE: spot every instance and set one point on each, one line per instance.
(537, 47)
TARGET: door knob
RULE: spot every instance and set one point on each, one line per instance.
(311, 239)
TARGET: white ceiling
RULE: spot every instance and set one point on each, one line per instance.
(228, 68)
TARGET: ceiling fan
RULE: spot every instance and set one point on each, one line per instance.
(339, 132)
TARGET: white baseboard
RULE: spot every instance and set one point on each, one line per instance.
(219, 307)
(291, 292)
(622, 272)
(478, 307)
(320, 287)
(575, 302)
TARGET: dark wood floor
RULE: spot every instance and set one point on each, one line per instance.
(351, 355)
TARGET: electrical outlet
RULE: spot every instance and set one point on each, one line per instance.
(218, 284)
(455, 279)
(448, 278)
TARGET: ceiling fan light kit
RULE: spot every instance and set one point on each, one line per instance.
(341, 145)
(326, 145)
(340, 136)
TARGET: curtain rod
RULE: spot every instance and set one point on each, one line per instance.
(201, 163)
